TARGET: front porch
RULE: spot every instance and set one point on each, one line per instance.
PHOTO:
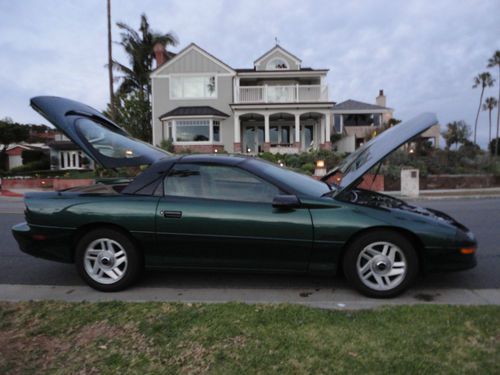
(281, 131)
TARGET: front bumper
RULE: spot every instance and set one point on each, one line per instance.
(45, 242)
(452, 258)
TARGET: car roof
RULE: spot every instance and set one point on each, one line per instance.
(225, 159)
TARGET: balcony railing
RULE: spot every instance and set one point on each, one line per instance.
(282, 94)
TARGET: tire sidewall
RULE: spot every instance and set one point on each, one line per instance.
(134, 261)
(355, 248)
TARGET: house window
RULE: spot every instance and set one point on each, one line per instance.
(216, 130)
(277, 64)
(280, 135)
(193, 87)
(192, 130)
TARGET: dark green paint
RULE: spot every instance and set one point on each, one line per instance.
(218, 234)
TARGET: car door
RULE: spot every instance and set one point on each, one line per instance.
(221, 216)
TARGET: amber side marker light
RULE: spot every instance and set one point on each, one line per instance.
(467, 250)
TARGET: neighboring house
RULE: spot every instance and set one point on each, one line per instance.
(359, 122)
(202, 104)
(64, 154)
(15, 153)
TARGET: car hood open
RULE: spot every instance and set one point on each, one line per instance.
(357, 164)
(100, 138)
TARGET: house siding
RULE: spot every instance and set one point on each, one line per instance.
(162, 104)
(291, 63)
(192, 62)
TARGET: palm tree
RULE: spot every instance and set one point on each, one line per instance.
(133, 96)
(492, 62)
(489, 104)
(484, 80)
(139, 47)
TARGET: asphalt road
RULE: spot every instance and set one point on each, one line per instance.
(482, 216)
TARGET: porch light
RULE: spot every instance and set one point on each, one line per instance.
(411, 151)
(320, 169)
(249, 149)
(320, 164)
(216, 150)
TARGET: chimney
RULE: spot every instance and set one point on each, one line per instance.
(381, 99)
(160, 54)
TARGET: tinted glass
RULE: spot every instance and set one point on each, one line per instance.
(299, 182)
(218, 182)
(111, 144)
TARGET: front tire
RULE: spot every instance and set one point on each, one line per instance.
(381, 264)
(107, 260)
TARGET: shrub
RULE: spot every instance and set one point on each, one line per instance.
(30, 156)
(33, 166)
(167, 145)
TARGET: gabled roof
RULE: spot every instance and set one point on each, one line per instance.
(282, 50)
(192, 46)
(194, 111)
(63, 146)
(306, 69)
(350, 105)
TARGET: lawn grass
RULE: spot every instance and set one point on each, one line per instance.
(163, 338)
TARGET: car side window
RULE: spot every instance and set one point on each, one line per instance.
(218, 182)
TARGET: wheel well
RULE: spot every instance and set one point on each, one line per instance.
(81, 231)
(412, 237)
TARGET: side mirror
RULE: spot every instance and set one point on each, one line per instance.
(286, 202)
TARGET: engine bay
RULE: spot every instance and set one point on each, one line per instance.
(377, 200)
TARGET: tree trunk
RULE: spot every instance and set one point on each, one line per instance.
(489, 132)
(477, 115)
(110, 65)
(498, 112)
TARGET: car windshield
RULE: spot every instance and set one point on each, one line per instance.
(299, 182)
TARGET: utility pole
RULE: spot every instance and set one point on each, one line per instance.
(110, 65)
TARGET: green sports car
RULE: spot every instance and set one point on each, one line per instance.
(230, 212)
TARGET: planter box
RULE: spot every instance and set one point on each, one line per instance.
(45, 183)
(63, 183)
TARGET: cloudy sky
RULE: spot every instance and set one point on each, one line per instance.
(424, 53)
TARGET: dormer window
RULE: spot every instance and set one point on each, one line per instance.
(277, 64)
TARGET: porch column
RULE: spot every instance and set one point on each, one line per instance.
(327, 145)
(321, 131)
(297, 131)
(267, 143)
(237, 133)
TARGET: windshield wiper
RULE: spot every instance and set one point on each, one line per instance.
(333, 189)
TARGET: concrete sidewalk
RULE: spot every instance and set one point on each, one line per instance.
(323, 298)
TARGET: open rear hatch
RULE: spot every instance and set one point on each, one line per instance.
(100, 138)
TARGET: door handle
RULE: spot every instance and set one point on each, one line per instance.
(171, 214)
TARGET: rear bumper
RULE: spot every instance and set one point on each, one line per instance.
(45, 242)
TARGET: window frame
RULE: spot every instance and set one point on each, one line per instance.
(211, 120)
(191, 75)
(271, 66)
(166, 174)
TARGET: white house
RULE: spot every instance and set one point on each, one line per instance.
(202, 104)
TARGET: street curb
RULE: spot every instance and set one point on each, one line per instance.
(340, 299)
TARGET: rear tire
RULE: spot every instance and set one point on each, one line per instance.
(107, 260)
(381, 264)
